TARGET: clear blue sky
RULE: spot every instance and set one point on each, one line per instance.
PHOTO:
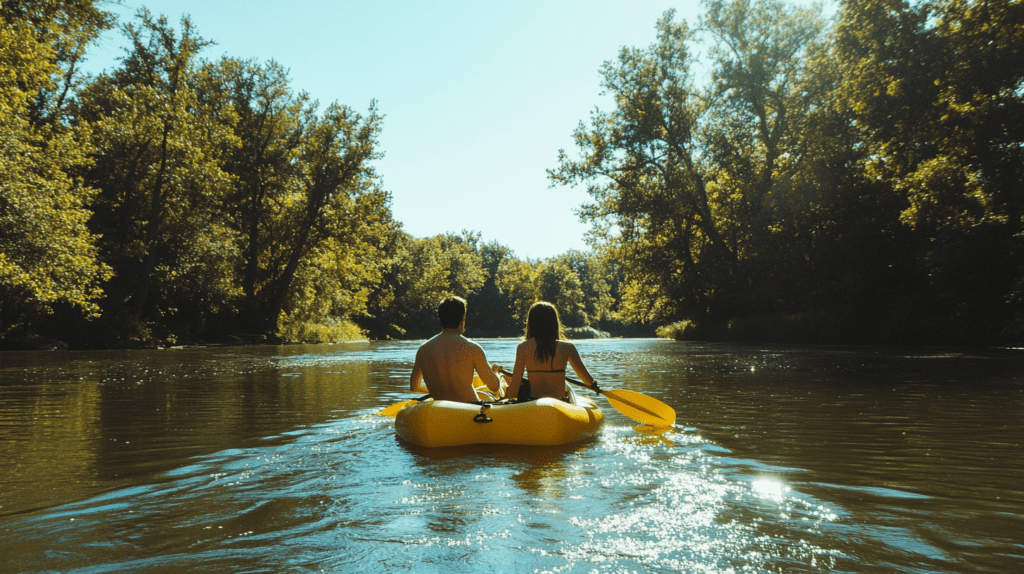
(478, 96)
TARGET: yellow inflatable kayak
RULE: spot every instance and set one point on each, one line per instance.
(544, 421)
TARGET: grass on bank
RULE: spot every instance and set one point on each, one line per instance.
(329, 331)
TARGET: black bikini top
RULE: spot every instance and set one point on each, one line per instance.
(551, 371)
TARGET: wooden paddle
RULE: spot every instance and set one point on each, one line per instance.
(639, 407)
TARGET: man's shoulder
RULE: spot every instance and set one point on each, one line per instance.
(471, 343)
(434, 338)
(428, 344)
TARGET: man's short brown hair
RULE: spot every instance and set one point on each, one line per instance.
(451, 311)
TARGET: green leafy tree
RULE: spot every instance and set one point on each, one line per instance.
(265, 165)
(48, 257)
(515, 279)
(641, 166)
(592, 272)
(307, 205)
(67, 28)
(335, 196)
(697, 182)
(555, 282)
(333, 284)
(761, 139)
(423, 280)
(934, 90)
(384, 316)
(158, 165)
(466, 271)
(437, 267)
(490, 311)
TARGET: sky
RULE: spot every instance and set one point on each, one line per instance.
(478, 96)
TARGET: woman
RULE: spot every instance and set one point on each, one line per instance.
(544, 357)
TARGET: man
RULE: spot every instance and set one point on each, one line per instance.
(446, 362)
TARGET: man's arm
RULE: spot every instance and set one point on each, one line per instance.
(416, 384)
(483, 368)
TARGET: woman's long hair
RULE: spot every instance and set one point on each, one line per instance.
(543, 325)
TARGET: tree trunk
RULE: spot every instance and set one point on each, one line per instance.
(152, 232)
(284, 283)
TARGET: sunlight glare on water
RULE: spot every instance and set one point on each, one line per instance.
(686, 516)
(770, 489)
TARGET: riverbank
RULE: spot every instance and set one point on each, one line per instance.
(291, 332)
(824, 328)
(49, 344)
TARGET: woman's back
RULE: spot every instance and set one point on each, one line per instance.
(547, 379)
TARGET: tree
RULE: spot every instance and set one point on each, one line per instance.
(515, 279)
(48, 256)
(332, 285)
(490, 310)
(67, 28)
(466, 272)
(383, 317)
(559, 285)
(592, 273)
(697, 183)
(270, 129)
(642, 170)
(425, 271)
(336, 192)
(158, 164)
(422, 280)
(934, 90)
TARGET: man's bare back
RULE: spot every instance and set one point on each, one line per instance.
(446, 363)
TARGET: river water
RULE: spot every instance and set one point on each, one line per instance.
(270, 459)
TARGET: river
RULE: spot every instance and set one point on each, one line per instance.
(271, 459)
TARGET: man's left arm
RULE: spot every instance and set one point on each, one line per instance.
(483, 368)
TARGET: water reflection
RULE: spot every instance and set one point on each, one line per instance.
(106, 418)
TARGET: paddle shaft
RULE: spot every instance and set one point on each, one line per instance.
(393, 409)
(639, 407)
(582, 384)
(567, 379)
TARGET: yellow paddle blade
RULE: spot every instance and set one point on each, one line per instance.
(641, 408)
(392, 411)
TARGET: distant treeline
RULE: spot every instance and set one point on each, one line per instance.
(855, 180)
